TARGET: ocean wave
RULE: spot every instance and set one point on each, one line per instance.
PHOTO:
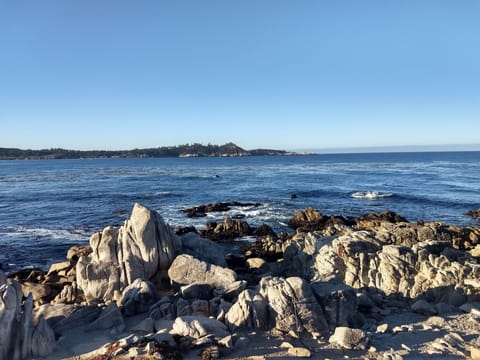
(55, 234)
(370, 195)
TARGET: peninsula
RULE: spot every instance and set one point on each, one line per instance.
(187, 150)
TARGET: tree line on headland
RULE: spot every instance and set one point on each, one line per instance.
(187, 150)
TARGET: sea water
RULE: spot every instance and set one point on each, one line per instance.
(46, 206)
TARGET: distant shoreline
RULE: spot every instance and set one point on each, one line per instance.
(181, 151)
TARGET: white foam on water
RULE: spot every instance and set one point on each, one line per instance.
(370, 195)
(48, 233)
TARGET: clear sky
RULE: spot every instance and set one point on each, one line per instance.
(114, 74)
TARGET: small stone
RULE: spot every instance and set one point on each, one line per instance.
(227, 342)
(150, 348)
(299, 352)
(382, 329)
(255, 263)
(134, 351)
(349, 338)
(286, 345)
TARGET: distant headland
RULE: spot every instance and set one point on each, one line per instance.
(187, 150)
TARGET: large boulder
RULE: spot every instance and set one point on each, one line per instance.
(248, 312)
(144, 247)
(292, 305)
(186, 270)
(138, 297)
(198, 326)
(204, 249)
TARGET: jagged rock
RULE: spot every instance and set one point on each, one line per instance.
(68, 295)
(197, 291)
(204, 249)
(232, 290)
(163, 309)
(10, 300)
(138, 297)
(292, 305)
(348, 338)
(307, 218)
(19, 339)
(186, 270)
(110, 317)
(62, 318)
(143, 247)
(197, 327)
(339, 302)
(269, 248)
(228, 230)
(249, 311)
(43, 339)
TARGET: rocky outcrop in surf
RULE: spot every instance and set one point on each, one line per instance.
(333, 285)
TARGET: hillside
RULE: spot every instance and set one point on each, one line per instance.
(187, 150)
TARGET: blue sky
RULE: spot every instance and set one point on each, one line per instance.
(95, 74)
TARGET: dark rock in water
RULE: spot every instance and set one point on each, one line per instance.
(378, 217)
(312, 220)
(182, 230)
(264, 230)
(293, 196)
(267, 247)
(202, 210)
(228, 230)
(474, 214)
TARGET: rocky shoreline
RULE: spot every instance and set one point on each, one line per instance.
(372, 287)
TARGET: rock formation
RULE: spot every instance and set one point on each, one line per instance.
(143, 248)
(336, 284)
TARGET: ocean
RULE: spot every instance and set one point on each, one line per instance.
(46, 206)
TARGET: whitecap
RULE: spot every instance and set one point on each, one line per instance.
(162, 193)
(370, 195)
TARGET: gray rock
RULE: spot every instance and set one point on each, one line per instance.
(339, 302)
(43, 339)
(145, 326)
(204, 249)
(144, 247)
(292, 305)
(234, 289)
(197, 327)
(19, 339)
(348, 338)
(424, 308)
(249, 312)
(110, 317)
(183, 307)
(197, 291)
(138, 297)
(80, 316)
(163, 309)
(186, 270)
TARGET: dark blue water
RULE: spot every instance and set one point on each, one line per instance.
(47, 206)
